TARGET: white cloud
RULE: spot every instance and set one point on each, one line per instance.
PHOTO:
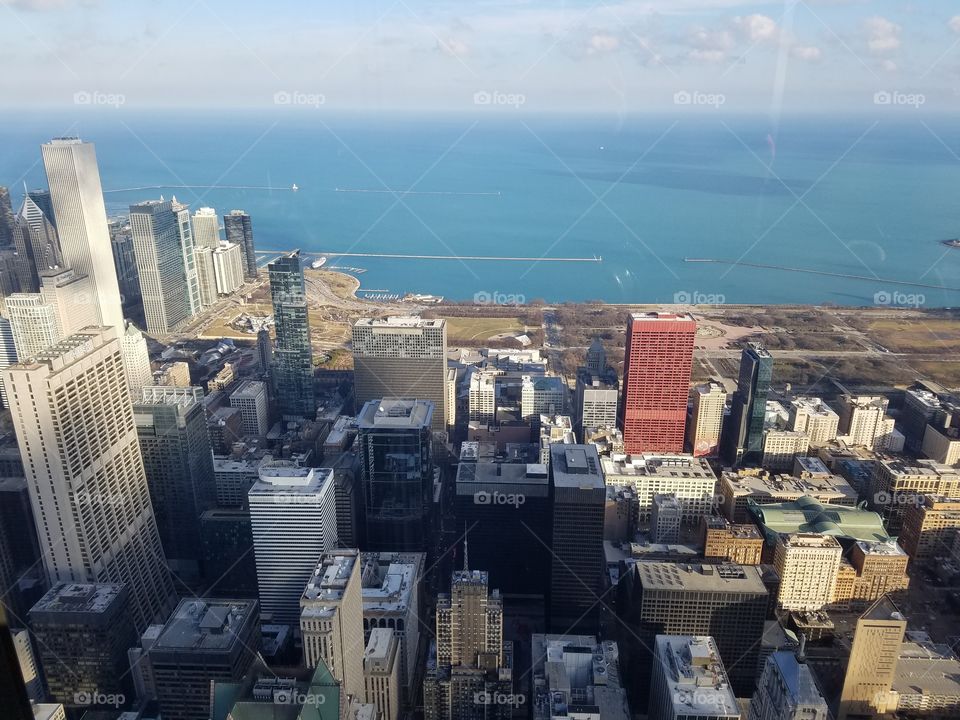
(453, 47)
(955, 24)
(710, 57)
(701, 38)
(883, 36)
(757, 28)
(602, 42)
(808, 53)
(889, 66)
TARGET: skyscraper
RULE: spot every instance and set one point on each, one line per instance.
(293, 354)
(33, 322)
(37, 244)
(188, 250)
(471, 658)
(744, 437)
(578, 497)
(293, 518)
(206, 228)
(401, 357)
(6, 218)
(76, 432)
(42, 200)
(63, 289)
(228, 268)
(331, 619)
(396, 469)
(8, 356)
(172, 431)
(13, 693)
(787, 690)
(136, 358)
(656, 381)
(155, 229)
(238, 229)
(873, 662)
(206, 275)
(77, 197)
(125, 262)
(706, 419)
(690, 681)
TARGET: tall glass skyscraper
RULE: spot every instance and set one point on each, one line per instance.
(293, 355)
(745, 436)
(239, 230)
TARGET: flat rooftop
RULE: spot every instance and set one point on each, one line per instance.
(710, 578)
(657, 465)
(696, 679)
(389, 581)
(402, 413)
(472, 476)
(576, 466)
(401, 321)
(205, 625)
(296, 481)
(789, 486)
(327, 585)
(92, 598)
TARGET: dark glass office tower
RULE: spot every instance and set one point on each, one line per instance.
(172, 430)
(293, 354)
(396, 469)
(6, 218)
(37, 245)
(744, 437)
(41, 198)
(239, 229)
(13, 693)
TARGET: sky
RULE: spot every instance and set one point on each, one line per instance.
(484, 55)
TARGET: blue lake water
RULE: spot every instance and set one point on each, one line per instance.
(869, 196)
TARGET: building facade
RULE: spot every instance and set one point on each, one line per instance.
(293, 353)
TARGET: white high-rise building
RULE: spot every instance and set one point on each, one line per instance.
(807, 564)
(8, 355)
(813, 416)
(77, 199)
(331, 619)
(33, 322)
(81, 456)
(706, 419)
(251, 400)
(136, 358)
(65, 290)
(864, 422)
(188, 250)
(206, 228)
(293, 521)
(228, 267)
(155, 230)
(206, 275)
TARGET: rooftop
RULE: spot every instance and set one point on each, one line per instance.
(657, 465)
(289, 479)
(710, 578)
(92, 598)
(696, 679)
(250, 389)
(402, 413)
(329, 581)
(808, 515)
(471, 475)
(401, 321)
(204, 625)
(389, 581)
(797, 677)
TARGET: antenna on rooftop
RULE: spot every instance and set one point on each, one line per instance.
(466, 564)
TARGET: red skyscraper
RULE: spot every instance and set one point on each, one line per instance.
(656, 381)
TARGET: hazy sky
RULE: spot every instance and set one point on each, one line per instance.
(627, 55)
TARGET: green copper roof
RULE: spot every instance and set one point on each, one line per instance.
(807, 515)
(320, 701)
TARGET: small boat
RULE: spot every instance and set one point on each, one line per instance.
(294, 187)
(319, 263)
(951, 243)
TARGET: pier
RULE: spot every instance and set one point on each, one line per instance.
(141, 188)
(826, 273)
(394, 256)
(387, 191)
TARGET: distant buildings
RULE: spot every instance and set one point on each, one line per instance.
(689, 681)
(401, 357)
(206, 228)
(897, 483)
(744, 440)
(782, 447)
(155, 230)
(596, 400)
(649, 474)
(576, 676)
(656, 381)
(740, 544)
(736, 489)
(929, 526)
(203, 641)
(83, 632)
(331, 619)
(74, 420)
(37, 244)
(813, 416)
(706, 419)
(293, 354)
(578, 498)
(293, 520)
(228, 268)
(396, 471)
(250, 398)
(238, 229)
(864, 422)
